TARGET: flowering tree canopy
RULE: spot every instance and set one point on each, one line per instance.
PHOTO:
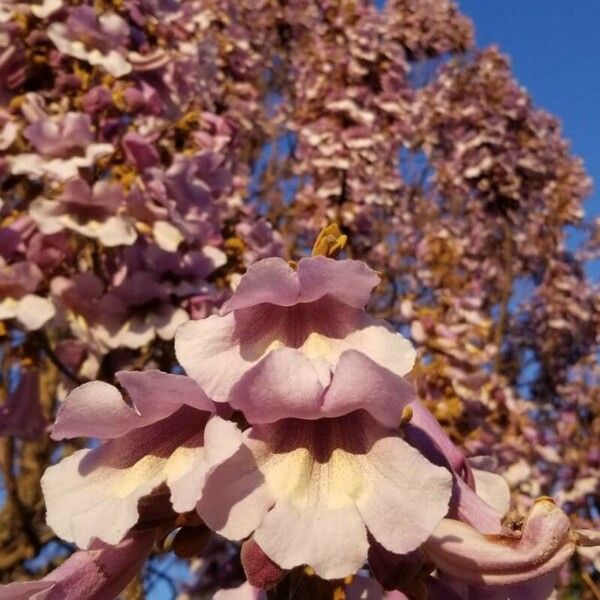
(289, 287)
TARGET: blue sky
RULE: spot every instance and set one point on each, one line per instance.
(554, 48)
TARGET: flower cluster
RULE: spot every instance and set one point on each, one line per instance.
(295, 432)
(152, 152)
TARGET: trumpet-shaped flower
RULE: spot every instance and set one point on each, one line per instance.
(544, 544)
(310, 491)
(99, 573)
(285, 333)
(169, 436)
(92, 212)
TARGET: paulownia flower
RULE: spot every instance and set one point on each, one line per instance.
(99, 573)
(519, 563)
(90, 211)
(513, 565)
(168, 436)
(479, 496)
(64, 144)
(310, 491)
(17, 282)
(288, 332)
(467, 555)
(105, 39)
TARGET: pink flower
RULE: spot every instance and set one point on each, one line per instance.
(63, 144)
(309, 490)
(101, 572)
(17, 281)
(105, 37)
(139, 151)
(520, 564)
(479, 497)
(280, 339)
(89, 211)
(60, 138)
(169, 436)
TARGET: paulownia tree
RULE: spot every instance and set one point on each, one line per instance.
(150, 154)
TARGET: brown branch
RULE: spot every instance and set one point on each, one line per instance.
(10, 560)
(506, 293)
(590, 583)
(14, 505)
(44, 342)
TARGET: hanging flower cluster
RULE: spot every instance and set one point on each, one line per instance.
(297, 433)
(152, 152)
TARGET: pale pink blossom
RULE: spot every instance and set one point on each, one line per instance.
(281, 339)
(17, 282)
(99, 573)
(167, 436)
(309, 491)
(105, 37)
(90, 211)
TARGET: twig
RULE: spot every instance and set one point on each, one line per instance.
(40, 336)
(590, 583)
(160, 575)
(506, 292)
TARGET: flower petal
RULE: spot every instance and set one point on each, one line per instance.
(188, 469)
(425, 433)
(116, 231)
(235, 498)
(29, 590)
(349, 281)
(332, 541)
(34, 311)
(326, 480)
(492, 489)
(271, 281)
(209, 351)
(283, 384)
(377, 340)
(540, 588)
(97, 409)
(359, 382)
(408, 496)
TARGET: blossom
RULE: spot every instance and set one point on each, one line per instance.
(92, 212)
(104, 37)
(168, 437)
(64, 144)
(322, 463)
(58, 138)
(136, 311)
(543, 545)
(260, 240)
(103, 571)
(139, 151)
(285, 333)
(17, 282)
(310, 490)
(146, 162)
